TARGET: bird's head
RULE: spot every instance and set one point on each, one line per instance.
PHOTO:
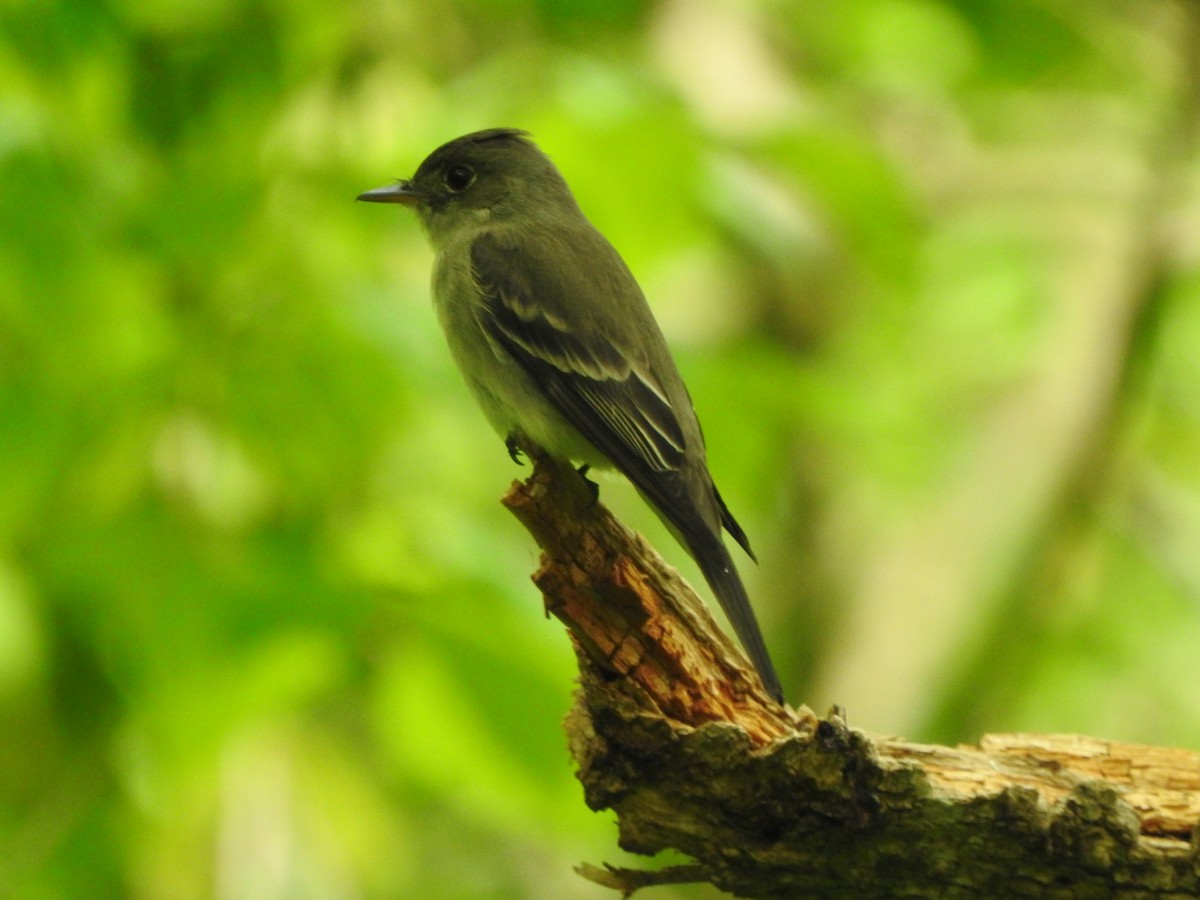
(475, 179)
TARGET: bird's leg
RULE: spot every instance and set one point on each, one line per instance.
(592, 486)
(514, 449)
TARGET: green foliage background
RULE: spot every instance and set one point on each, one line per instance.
(929, 266)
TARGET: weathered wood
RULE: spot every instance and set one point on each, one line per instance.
(672, 730)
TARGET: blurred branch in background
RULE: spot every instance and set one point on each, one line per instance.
(1102, 498)
(1063, 178)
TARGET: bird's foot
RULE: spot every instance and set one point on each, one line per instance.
(514, 450)
(592, 486)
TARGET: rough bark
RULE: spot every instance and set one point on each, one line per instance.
(673, 732)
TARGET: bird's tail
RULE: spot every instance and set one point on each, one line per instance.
(717, 565)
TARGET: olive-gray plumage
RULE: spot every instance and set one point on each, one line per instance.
(557, 342)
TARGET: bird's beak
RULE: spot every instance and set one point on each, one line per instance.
(400, 192)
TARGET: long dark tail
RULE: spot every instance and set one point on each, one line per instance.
(717, 565)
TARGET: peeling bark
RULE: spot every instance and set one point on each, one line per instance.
(672, 730)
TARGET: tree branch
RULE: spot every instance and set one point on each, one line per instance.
(672, 730)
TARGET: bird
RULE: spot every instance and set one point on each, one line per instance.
(557, 343)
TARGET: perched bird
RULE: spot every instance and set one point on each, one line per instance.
(557, 343)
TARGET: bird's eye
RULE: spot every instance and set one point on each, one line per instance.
(459, 178)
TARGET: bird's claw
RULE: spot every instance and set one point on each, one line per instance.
(514, 450)
(593, 487)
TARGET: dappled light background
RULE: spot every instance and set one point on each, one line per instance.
(930, 268)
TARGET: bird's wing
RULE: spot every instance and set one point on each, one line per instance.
(589, 365)
(607, 391)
